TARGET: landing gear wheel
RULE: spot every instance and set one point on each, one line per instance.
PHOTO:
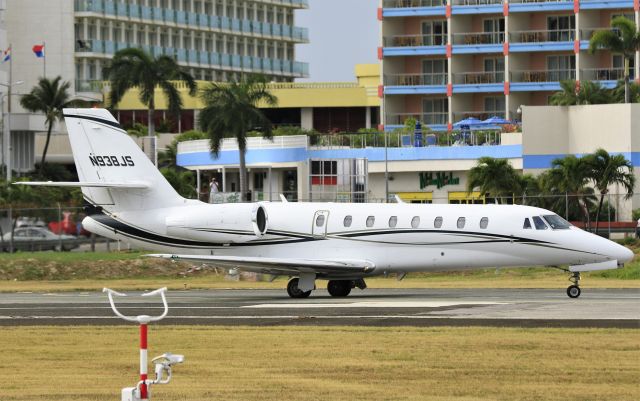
(339, 288)
(294, 291)
(573, 291)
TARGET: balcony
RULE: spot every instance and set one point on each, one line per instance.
(523, 6)
(436, 120)
(409, 84)
(473, 82)
(194, 20)
(89, 86)
(415, 45)
(480, 115)
(478, 42)
(544, 40)
(476, 7)
(413, 8)
(608, 77)
(540, 80)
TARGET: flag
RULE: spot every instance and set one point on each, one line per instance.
(38, 50)
(6, 55)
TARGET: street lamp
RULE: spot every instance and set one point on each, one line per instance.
(6, 128)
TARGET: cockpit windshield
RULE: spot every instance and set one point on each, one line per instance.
(556, 222)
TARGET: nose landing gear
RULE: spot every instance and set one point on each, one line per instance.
(573, 291)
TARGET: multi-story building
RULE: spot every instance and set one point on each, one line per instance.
(445, 60)
(215, 40)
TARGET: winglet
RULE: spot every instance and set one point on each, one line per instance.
(283, 199)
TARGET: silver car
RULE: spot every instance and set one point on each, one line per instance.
(38, 239)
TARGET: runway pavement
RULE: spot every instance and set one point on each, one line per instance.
(372, 307)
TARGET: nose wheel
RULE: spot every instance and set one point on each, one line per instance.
(573, 291)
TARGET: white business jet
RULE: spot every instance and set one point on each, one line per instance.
(343, 243)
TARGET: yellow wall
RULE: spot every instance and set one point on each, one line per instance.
(362, 93)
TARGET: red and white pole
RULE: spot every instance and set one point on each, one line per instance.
(144, 393)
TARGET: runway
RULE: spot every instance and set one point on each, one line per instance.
(372, 307)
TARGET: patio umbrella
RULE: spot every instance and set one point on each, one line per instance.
(495, 120)
(468, 122)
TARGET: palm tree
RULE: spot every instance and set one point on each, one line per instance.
(588, 93)
(617, 93)
(570, 175)
(134, 68)
(606, 170)
(231, 110)
(50, 97)
(494, 177)
(623, 38)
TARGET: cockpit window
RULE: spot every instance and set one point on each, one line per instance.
(527, 224)
(556, 222)
(537, 221)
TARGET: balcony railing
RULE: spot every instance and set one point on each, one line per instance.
(85, 85)
(473, 78)
(556, 35)
(194, 20)
(415, 40)
(478, 38)
(543, 75)
(413, 3)
(425, 118)
(540, 1)
(605, 74)
(416, 79)
(476, 2)
(200, 57)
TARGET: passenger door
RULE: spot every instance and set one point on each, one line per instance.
(319, 224)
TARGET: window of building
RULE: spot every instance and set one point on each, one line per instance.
(495, 67)
(434, 33)
(437, 223)
(537, 221)
(461, 222)
(495, 105)
(561, 28)
(484, 222)
(494, 27)
(561, 68)
(320, 220)
(370, 221)
(415, 222)
(527, 224)
(617, 62)
(347, 221)
(434, 72)
(435, 110)
(393, 221)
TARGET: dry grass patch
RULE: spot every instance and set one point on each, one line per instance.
(329, 363)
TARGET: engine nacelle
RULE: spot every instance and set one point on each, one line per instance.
(226, 223)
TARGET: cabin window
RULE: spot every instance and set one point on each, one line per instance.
(320, 220)
(556, 222)
(370, 221)
(347, 221)
(527, 224)
(437, 223)
(537, 221)
(484, 222)
(415, 222)
(393, 221)
(461, 221)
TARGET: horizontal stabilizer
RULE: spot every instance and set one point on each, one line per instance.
(113, 185)
(277, 265)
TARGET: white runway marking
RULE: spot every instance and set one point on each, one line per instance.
(375, 304)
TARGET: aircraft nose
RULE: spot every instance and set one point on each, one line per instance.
(621, 253)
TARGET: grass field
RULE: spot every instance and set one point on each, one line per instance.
(328, 363)
(51, 271)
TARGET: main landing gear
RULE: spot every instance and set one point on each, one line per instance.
(336, 288)
(573, 291)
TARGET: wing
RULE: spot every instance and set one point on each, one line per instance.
(279, 266)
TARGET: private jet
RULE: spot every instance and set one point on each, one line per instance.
(343, 243)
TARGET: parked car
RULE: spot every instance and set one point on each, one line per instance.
(39, 239)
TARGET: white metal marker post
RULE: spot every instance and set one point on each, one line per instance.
(163, 362)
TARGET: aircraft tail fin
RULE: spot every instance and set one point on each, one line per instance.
(113, 171)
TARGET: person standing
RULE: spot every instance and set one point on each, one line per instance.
(638, 230)
(214, 188)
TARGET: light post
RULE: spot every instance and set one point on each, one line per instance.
(6, 128)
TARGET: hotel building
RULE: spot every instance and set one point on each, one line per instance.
(445, 60)
(215, 40)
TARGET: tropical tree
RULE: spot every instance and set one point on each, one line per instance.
(623, 38)
(570, 176)
(50, 97)
(606, 170)
(231, 111)
(617, 93)
(133, 67)
(494, 178)
(587, 93)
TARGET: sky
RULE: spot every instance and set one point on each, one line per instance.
(342, 33)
